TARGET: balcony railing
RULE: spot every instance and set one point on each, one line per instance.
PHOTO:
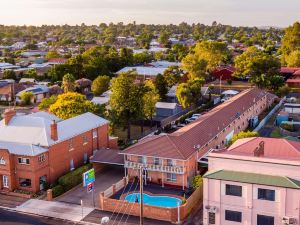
(153, 167)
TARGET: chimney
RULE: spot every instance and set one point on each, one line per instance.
(53, 131)
(8, 115)
(260, 150)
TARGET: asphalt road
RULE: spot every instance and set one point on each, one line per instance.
(14, 218)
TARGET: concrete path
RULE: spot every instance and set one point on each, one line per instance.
(54, 209)
(103, 181)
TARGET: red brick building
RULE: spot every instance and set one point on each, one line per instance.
(39, 147)
(174, 159)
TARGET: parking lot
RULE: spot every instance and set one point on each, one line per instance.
(103, 181)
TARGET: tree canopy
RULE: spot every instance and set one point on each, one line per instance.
(100, 85)
(68, 83)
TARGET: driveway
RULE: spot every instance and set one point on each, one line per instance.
(103, 181)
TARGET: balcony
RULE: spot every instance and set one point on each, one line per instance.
(158, 168)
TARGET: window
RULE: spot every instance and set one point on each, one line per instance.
(171, 177)
(5, 181)
(95, 134)
(71, 145)
(24, 182)
(85, 139)
(265, 220)
(233, 190)
(156, 161)
(72, 164)
(25, 161)
(41, 158)
(211, 218)
(85, 157)
(171, 162)
(234, 216)
(266, 194)
(142, 159)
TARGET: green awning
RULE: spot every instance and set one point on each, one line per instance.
(254, 178)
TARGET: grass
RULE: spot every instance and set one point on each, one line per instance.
(275, 133)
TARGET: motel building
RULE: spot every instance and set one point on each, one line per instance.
(256, 181)
(174, 159)
(38, 148)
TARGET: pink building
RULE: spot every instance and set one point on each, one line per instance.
(254, 182)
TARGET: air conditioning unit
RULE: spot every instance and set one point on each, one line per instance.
(288, 220)
(211, 209)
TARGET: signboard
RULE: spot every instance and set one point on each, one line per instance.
(90, 187)
(88, 177)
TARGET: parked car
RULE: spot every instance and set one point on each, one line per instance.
(189, 120)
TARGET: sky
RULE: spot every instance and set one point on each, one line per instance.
(279, 13)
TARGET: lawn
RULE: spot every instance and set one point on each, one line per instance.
(275, 133)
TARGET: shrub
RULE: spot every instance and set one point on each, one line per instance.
(288, 127)
(57, 190)
(73, 178)
(197, 181)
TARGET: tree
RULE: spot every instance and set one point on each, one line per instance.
(293, 60)
(150, 99)
(206, 56)
(290, 41)
(164, 38)
(126, 101)
(68, 83)
(275, 82)
(189, 94)
(144, 40)
(142, 58)
(76, 66)
(58, 71)
(241, 135)
(100, 85)
(161, 86)
(31, 74)
(26, 98)
(257, 65)
(52, 55)
(71, 104)
(47, 102)
(173, 75)
(9, 74)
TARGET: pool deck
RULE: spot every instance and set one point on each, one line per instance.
(151, 188)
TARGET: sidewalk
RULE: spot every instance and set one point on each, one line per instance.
(54, 209)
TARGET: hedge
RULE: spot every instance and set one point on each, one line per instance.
(57, 190)
(73, 178)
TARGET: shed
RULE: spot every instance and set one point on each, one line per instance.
(166, 109)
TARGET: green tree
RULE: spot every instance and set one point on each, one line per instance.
(31, 74)
(293, 60)
(100, 85)
(68, 83)
(126, 101)
(206, 56)
(257, 65)
(150, 99)
(52, 55)
(164, 38)
(9, 74)
(26, 98)
(47, 102)
(290, 41)
(241, 135)
(161, 86)
(142, 58)
(189, 94)
(71, 104)
(58, 71)
(144, 40)
(173, 75)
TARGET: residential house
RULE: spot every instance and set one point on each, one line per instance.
(83, 86)
(294, 80)
(255, 181)
(39, 93)
(174, 159)
(39, 147)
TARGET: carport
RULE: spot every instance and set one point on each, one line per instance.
(108, 157)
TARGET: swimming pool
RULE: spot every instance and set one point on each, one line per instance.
(160, 201)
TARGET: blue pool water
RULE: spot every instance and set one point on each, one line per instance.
(160, 201)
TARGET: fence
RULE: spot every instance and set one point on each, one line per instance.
(266, 119)
(115, 187)
(152, 212)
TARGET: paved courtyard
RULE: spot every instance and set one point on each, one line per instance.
(103, 181)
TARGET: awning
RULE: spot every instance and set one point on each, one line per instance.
(108, 156)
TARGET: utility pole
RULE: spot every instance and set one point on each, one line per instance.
(141, 197)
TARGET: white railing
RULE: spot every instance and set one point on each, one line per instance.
(153, 167)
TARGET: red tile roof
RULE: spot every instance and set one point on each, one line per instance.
(273, 148)
(289, 69)
(180, 144)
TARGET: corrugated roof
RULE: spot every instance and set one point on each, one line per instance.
(180, 144)
(254, 178)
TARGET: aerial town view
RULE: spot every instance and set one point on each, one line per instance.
(144, 112)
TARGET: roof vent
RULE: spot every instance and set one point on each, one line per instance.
(260, 150)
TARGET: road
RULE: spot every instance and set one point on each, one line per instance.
(14, 218)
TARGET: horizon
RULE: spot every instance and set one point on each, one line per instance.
(92, 12)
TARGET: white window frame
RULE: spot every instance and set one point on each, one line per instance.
(172, 178)
(23, 161)
(5, 181)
